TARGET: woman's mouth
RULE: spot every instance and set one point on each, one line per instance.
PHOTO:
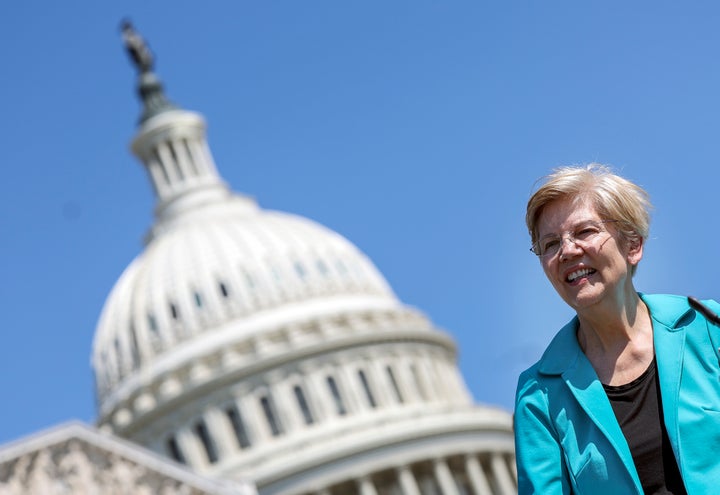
(577, 274)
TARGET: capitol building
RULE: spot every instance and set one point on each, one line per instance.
(254, 352)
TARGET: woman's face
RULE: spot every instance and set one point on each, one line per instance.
(589, 271)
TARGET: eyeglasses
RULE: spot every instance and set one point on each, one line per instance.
(583, 235)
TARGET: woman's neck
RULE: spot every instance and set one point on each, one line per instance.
(618, 343)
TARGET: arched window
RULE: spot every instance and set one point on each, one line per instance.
(174, 312)
(134, 349)
(337, 397)
(238, 425)
(173, 450)
(366, 387)
(393, 382)
(268, 407)
(300, 270)
(303, 405)
(207, 442)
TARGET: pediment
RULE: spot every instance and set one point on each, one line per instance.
(75, 458)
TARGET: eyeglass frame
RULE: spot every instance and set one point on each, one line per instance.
(570, 236)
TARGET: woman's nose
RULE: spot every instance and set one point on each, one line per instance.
(569, 247)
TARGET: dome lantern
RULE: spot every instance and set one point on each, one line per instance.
(171, 143)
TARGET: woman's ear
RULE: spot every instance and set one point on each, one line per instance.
(635, 250)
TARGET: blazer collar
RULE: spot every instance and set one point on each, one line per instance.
(668, 310)
(563, 352)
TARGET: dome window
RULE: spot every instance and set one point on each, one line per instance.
(174, 160)
(118, 357)
(198, 299)
(238, 425)
(223, 289)
(300, 270)
(189, 155)
(174, 451)
(394, 383)
(155, 339)
(322, 268)
(341, 266)
(268, 408)
(249, 280)
(207, 442)
(337, 397)
(160, 165)
(303, 404)
(174, 312)
(134, 352)
(366, 387)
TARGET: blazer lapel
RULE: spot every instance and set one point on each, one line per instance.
(669, 347)
(669, 336)
(564, 357)
(585, 386)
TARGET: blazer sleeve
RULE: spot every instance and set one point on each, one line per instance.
(540, 462)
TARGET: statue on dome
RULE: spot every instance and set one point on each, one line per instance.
(137, 47)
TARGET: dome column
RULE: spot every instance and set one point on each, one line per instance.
(366, 486)
(502, 474)
(425, 380)
(406, 382)
(477, 476)
(379, 377)
(316, 394)
(348, 385)
(189, 447)
(444, 477)
(221, 432)
(408, 484)
(250, 411)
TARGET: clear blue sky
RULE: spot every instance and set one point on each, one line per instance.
(414, 128)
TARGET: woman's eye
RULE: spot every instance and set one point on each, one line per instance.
(586, 232)
(550, 244)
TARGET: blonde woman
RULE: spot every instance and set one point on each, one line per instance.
(626, 398)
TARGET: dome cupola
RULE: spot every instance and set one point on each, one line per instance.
(216, 268)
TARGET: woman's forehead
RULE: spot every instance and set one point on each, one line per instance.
(564, 214)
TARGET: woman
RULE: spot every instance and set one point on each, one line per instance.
(626, 398)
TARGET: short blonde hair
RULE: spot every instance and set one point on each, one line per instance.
(613, 197)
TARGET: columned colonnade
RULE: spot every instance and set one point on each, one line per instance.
(470, 474)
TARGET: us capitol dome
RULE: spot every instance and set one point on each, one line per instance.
(259, 347)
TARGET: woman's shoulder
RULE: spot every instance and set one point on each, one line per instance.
(559, 355)
(670, 309)
(561, 352)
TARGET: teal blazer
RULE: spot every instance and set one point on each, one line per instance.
(567, 438)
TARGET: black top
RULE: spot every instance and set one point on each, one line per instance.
(638, 409)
